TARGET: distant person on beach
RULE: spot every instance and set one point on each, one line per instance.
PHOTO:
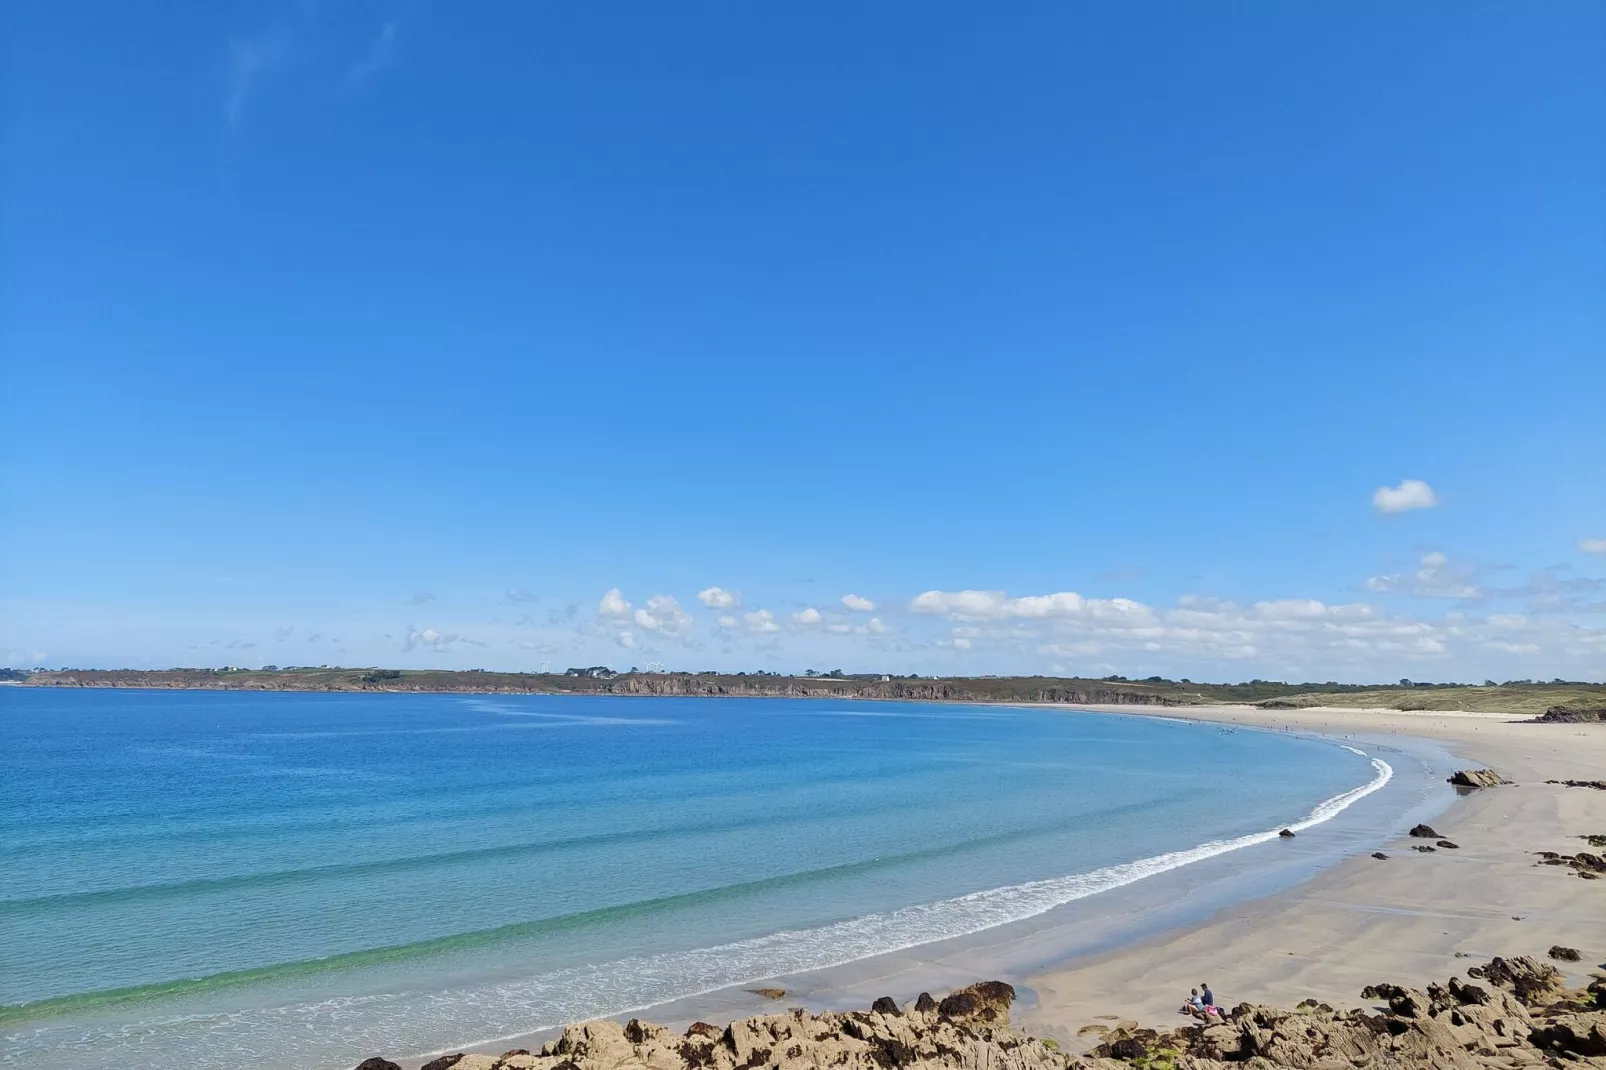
(1194, 1005)
(1208, 996)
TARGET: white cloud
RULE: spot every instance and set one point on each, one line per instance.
(961, 605)
(626, 639)
(960, 643)
(1438, 578)
(727, 622)
(431, 639)
(808, 616)
(857, 604)
(613, 604)
(1410, 494)
(717, 598)
(1512, 648)
(761, 620)
(874, 626)
(993, 605)
(1592, 546)
(663, 614)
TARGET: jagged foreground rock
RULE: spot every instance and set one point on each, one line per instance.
(1518, 1016)
(1511, 1013)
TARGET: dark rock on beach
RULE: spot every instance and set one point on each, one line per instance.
(1380, 855)
(1477, 778)
(1287, 834)
(445, 1062)
(1423, 848)
(1571, 715)
(377, 1064)
(1425, 832)
(1451, 846)
(1564, 954)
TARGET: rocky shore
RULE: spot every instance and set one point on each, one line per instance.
(1506, 1014)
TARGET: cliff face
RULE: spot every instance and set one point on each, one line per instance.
(1510, 1014)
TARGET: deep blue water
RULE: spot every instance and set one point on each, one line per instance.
(215, 879)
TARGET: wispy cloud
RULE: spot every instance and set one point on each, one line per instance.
(381, 53)
(327, 51)
(250, 63)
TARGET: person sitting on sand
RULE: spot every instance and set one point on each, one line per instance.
(1194, 1005)
(1208, 996)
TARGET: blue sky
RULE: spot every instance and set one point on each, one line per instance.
(1070, 337)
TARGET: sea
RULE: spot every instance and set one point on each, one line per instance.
(221, 879)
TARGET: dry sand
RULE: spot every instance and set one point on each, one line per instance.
(1363, 921)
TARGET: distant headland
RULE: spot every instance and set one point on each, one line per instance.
(1516, 696)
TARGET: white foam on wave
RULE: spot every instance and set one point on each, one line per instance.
(305, 1034)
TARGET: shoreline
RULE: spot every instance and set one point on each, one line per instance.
(1410, 919)
(1081, 929)
(1275, 921)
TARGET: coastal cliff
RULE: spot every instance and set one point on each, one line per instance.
(1507, 1014)
(716, 685)
(1514, 698)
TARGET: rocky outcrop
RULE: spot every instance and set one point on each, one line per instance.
(1424, 832)
(968, 1030)
(1598, 785)
(1571, 715)
(1477, 778)
(1518, 1016)
(1510, 1013)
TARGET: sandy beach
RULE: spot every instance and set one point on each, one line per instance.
(1404, 919)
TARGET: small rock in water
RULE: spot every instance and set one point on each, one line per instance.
(1424, 848)
(769, 993)
(1451, 846)
(1381, 855)
(1565, 954)
(377, 1064)
(1424, 832)
(1287, 834)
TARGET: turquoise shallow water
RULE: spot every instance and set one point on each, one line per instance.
(215, 879)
